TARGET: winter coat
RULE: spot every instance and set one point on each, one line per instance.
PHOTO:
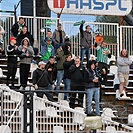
(86, 38)
(88, 77)
(41, 76)
(56, 36)
(29, 50)
(77, 75)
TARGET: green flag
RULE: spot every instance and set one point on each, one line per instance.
(50, 22)
(79, 23)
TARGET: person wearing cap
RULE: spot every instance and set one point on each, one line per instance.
(58, 37)
(41, 80)
(25, 51)
(92, 85)
(48, 35)
(12, 49)
(47, 50)
(85, 42)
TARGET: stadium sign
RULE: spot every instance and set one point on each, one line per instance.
(91, 7)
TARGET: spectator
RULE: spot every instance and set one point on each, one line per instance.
(123, 63)
(102, 58)
(25, 33)
(41, 80)
(48, 35)
(92, 87)
(12, 49)
(26, 51)
(47, 50)
(77, 82)
(60, 58)
(1, 40)
(85, 42)
(67, 77)
(17, 27)
(58, 37)
(52, 69)
(66, 46)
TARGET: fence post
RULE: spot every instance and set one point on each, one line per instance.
(121, 38)
(28, 106)
(1, 94)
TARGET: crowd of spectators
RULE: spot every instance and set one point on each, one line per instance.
(58, 64)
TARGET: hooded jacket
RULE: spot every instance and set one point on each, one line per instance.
(29, 50)
(89, 75)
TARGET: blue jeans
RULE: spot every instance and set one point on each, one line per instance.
(60, 75)
(66, 87)
(93, 92)
(85, 51)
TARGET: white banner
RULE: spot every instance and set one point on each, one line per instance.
(91, 7)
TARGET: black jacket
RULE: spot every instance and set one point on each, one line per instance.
(21, 36)
(14, 29)
(41, 76)
(88, 77)
(53, 73)
(77, 75)
(11, 51)
(66, 66)
(65, 47)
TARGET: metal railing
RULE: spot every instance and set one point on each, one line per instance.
(46, 114)
(11, 109)
(126, 38)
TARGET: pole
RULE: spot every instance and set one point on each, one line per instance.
(35, 21)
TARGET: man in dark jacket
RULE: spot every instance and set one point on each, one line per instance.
(25, 33)
(12, 50)
(92, 85)
(17, 27)
(41, 80)
(52, 70)
(67, 77)
(77, 82)
(85, 42)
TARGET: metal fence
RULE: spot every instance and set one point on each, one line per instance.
(126, 38)
(11, 110)
(110, 32)
(6, 22)
(48, 117)
(115, 38)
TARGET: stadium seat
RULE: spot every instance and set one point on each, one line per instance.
(5, 129)
(58, 129)
(79, 118)
(110, 129)
(51, 112)
(1, 74)
(113, 69)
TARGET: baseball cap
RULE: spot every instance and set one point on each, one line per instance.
(48, 39)
(41, 63)
(12, 38)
